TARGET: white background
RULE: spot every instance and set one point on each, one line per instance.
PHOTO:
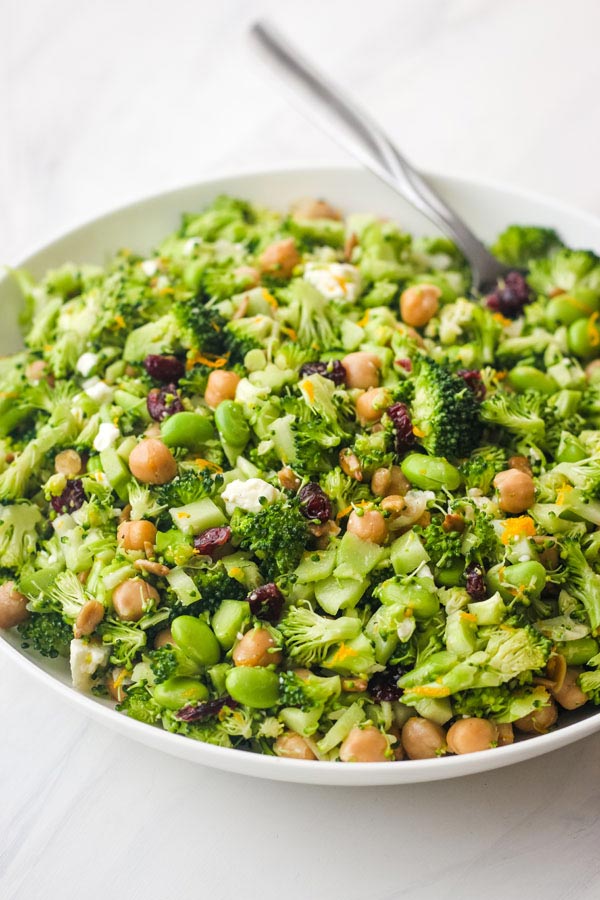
(103, 102)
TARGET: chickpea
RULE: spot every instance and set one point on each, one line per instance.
(371, 405)
(151, 462)
(538, 721)
(519, 462)
(371, 526)
(548, 553)
(136, 534)
(419, 303)
(293, 746)
(349, 244)
(307, 208)
(221, 385)
(163, 638)
(36, 370)
(362, 369)
(389, 481)
(365, 745)
(350, 464)
(255, 649)
(570, 695)
(248, 274)
(471, 735)
(13, 605)
(505, 733)
(423, 739)
(90, 615)
(132, 598)
(516, 490)
(68, 462)
(280, 259)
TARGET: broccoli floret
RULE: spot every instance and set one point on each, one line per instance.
(139, 704)
(582, 582)
(18, 533)
(311, 316)
(442, 546)
(187, 487)
(201, 327)
(60, 429)
(519, 245)
(584, 474)
(342, 490)
(143, 504)
(76, 322)
(307, 693)
(375, 450)
(480, 542)
(47, 633)
(160, 336)
(515, 648)
(215, 585)
(463, 321)
(567, 271)
(276, 535)
(126, 641)
(482, 467)
(227, 218)
(519, 414)
(14, 408)
(445, 413)
(502, 703)
(309, 637)
(589, 682)
(250, 333)
(163, 663)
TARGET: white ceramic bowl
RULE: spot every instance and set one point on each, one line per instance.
(488, 209)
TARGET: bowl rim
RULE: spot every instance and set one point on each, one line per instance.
(271, 767)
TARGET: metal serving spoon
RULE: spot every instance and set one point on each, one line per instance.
(325, 105)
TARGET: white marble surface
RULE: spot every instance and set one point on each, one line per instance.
(103, 102)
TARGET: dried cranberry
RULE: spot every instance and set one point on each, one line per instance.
(167, 369)
(200, 711)
(511, 295)
(266, 602)
(209, 542)
(472, 379)
(403, 428)
(475, 582)
(72, 498)
(314, 502)
(333, 370)
(383, 686)
(163, 402)
(405, 364)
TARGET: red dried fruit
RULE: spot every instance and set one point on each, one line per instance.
(209, 542)
(511, 295)
(163, 402)
(402, 422)
(383, 686)
(266, 602)
(475, 582)
(333, 370)
(200, 711)
(473, 380)
(167, 369)
(314, 503)
(72, 498)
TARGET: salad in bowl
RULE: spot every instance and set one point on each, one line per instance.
(286, 484)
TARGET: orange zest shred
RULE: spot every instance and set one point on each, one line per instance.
(308, 388)
(270, 298)
(417, 432)
(469, 617)
(290, 333)
(120, 321)
(207, 464)
(562, 493)
(344, 652)
(344, 512)
(430, 690)
(362, 322)
(213, 362)
(502, 320)
(237, 573)
(520, 526)
(592, 330)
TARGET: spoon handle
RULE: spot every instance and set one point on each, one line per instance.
(352, 128)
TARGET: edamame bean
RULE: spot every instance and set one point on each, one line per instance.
(228, 620)
(233, 428)
(186, 429)
(451, 575)
(196, 639)
(584, 338)
(177, 691)
(527, 578)
(579, 652)
(566, 309)
(528, 378)
(570, 449)
(257, 688)
(430, 473)
(423, 604)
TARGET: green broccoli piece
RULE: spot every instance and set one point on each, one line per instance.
(589, 682)
(502, 703)
(227, 218)
(375, 450)
(139, 704)
(163, 663)
(445, 413)
(201, 326)
(215, 585)
(343, 490)
(312, 317)
(442, 546)
(47, 633)
(518, 414)
(307, 693)
(482, 467)
(276, 535)
(583, 474)
(18, 533)
(519, 245)
(309, 637)
(159, 336)
(187, 487)
(250, 333)
(470, 331)
(567, 270)
(126, 641)
(14, 405)
(582, 583)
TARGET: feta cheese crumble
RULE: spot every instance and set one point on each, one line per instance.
(247, 495)
(106, 437)
(336, 281)
(98, 390)
(86, 362)
(86, 659)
